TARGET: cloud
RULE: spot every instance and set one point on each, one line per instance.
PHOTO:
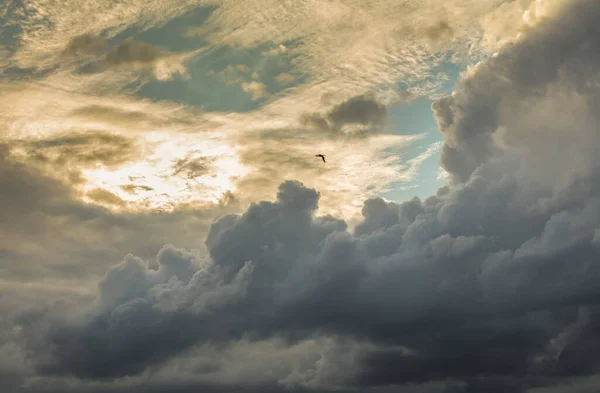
(82, 149)
(43, 37)
(50, 238)
(518, 84)
(488, 286)
(360, 50)
(128, 54)
(284, 78)
(144, 56)
(344, 181)
(352, 48)
(491, 283)
(102, 196)
(134, 53)
(363, 112)
(193, 167)
(86, 44)
(438, 31)
(256, 89)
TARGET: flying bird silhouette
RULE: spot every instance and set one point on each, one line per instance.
(321, 155)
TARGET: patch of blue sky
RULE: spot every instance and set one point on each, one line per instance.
(416, 118)
(10, 28)
(226, 78)
(222, 78)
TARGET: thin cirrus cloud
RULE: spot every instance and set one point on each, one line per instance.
(490, 285)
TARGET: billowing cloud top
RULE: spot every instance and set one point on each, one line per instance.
(489, 285)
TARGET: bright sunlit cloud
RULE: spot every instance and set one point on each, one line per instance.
(101, 68)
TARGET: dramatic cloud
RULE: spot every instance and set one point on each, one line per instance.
(47, 233)
(507, 95)
(157, 67)
(490, 285)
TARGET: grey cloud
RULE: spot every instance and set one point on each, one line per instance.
(439, 31)
(488, 385)
(130, 53)
(362, 111)
(21, 195)
(86, 44)
(563, 52)
(328, 282)
(134, 52)
(47, 233)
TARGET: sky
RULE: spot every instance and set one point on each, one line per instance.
(165, 225)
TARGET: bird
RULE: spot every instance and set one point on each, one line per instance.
(321, 155)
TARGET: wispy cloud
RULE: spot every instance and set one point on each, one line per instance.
(342, 50)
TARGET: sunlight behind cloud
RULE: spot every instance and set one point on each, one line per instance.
(156, 184)
(288, 58)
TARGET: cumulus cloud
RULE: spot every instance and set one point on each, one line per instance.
(551, 64)
(257, 90)
(277, 270)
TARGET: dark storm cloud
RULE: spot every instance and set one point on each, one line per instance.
(492, 283)
(283, 271)
(363, 111)
(154, 387)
